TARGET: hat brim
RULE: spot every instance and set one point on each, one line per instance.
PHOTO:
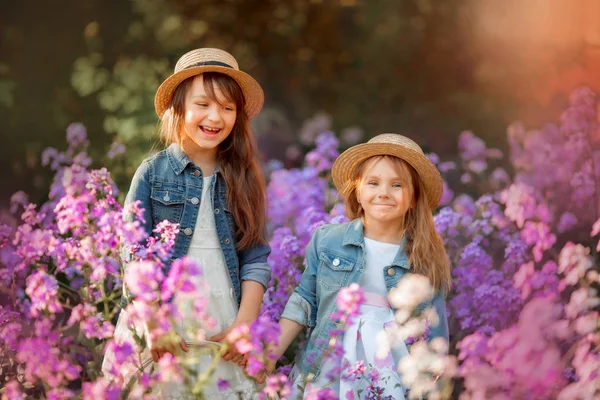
(345, 165)
(253, 92)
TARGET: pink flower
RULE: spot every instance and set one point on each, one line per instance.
(178, 280)
(278, 384)
(522, 279)
(143, 279)
(573, 262)
(43, 291)
(12, 391)
(240, 335)
(169, 369)
(100, 389)
(349, 300)
(539, 235)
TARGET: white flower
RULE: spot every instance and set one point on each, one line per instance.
(412, 290)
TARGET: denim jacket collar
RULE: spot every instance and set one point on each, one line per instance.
(179, 160)
(354, 236)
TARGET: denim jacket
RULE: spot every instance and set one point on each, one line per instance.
(169, 186)
(335, 258)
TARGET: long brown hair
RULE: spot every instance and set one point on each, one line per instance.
(236, 157)
(425, 248)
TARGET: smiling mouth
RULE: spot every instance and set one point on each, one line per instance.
(210, 131)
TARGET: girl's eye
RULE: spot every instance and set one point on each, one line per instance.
(372, 183)
(397, 185)
(229, 109)
(202, 104)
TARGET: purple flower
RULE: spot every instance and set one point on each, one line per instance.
(77, 135)
(115, 150)
(223, 384)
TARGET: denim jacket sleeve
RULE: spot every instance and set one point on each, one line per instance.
(441, 329)
(254, 265)
(302, 304)
(139, 190)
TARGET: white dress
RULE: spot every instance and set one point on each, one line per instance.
(206, 250)
(359, 338)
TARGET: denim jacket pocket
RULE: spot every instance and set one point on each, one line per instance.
(334, 271)
(168, 201)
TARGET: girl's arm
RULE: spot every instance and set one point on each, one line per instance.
(252, 297)
(254, 265)
(441, 329)
(289, 331)
(301, 307)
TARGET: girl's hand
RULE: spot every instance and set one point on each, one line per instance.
(169, 343)
(231, 353)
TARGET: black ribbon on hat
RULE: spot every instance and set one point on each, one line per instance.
(214, 63)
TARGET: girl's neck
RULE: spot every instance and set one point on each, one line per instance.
(206, 159)
(382, 232)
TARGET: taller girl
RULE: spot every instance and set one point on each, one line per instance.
(209, 182)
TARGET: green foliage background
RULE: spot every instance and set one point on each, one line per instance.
(381, 66)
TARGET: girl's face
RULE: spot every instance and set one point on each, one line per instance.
(384, 192)
(207, 123)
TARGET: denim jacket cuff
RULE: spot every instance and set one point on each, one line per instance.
(259, 272)
(298, 309)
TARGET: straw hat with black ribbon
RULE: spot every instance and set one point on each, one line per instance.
(390, 144)
(203, 60)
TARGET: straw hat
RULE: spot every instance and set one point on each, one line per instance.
(198, 61)
(390, 144)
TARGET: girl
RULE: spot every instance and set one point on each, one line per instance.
(391, 189)
(209, 182)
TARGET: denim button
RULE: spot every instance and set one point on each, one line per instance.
(217, 210)
(196, 172)
(188, 231)
(227, 241)
(195, 200)
(166, 198)
(391, 271)
(336, 262)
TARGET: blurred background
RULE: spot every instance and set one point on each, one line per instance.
(428, 69)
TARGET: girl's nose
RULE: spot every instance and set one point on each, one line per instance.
(383, 191)
(213, 113)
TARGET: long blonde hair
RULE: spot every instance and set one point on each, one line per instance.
(425, 248)
(236, 157)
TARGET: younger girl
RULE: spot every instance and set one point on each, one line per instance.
(209, 182)
(391, 189)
